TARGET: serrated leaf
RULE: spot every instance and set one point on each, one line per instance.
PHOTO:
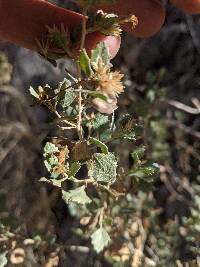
(104, 168)
(3, 259)
(68, 99)
(107, 21)
(100, 239)
(77, 195)
(33, 92)
(51, 160)
(66, 96)
(100, 52)
(74, 168)
(84, 62)
(101, 145)
(50, 148)
(146, 172)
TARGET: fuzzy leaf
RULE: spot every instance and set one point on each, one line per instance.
(3, 259)
(104, 168)
(101, 51)
(50, 148)
(100, 239)
(98, 121)
(107, 21)
(68, 99)
(77, 195)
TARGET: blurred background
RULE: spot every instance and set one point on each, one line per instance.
(163, 80)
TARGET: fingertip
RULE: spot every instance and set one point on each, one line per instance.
(113, 43)
(151, 18)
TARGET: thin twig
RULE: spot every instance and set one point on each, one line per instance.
(182, 106)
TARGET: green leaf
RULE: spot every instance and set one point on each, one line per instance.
(51, 160)
(101, 51)
(50, 148)
(101, 145)
(100, 239)
(77, 195)
(3, 259)
(74, 168)
(146, 172)
(84, 62)
(107, 21)
(99, 95)
(98, 121)
(104, 168)
(66, 96)
(68, 99)
(138, 153)
(33, 92)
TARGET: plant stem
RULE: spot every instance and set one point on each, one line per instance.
(80, 107)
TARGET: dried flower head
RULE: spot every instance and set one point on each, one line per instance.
(109, 82)
(131, 19)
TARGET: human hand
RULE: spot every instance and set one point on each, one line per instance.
(23, 22)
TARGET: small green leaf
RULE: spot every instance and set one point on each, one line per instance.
(99, 95)
(100, 239)
(104, 168)
(33, 92)
(51, 160)
(77, 195)
(101, 51)
(107, 21)
(84, 62)
(99, 144)
(3, 259)
(74, 168)
(146, 172)
(138, 153)
(50, 148)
